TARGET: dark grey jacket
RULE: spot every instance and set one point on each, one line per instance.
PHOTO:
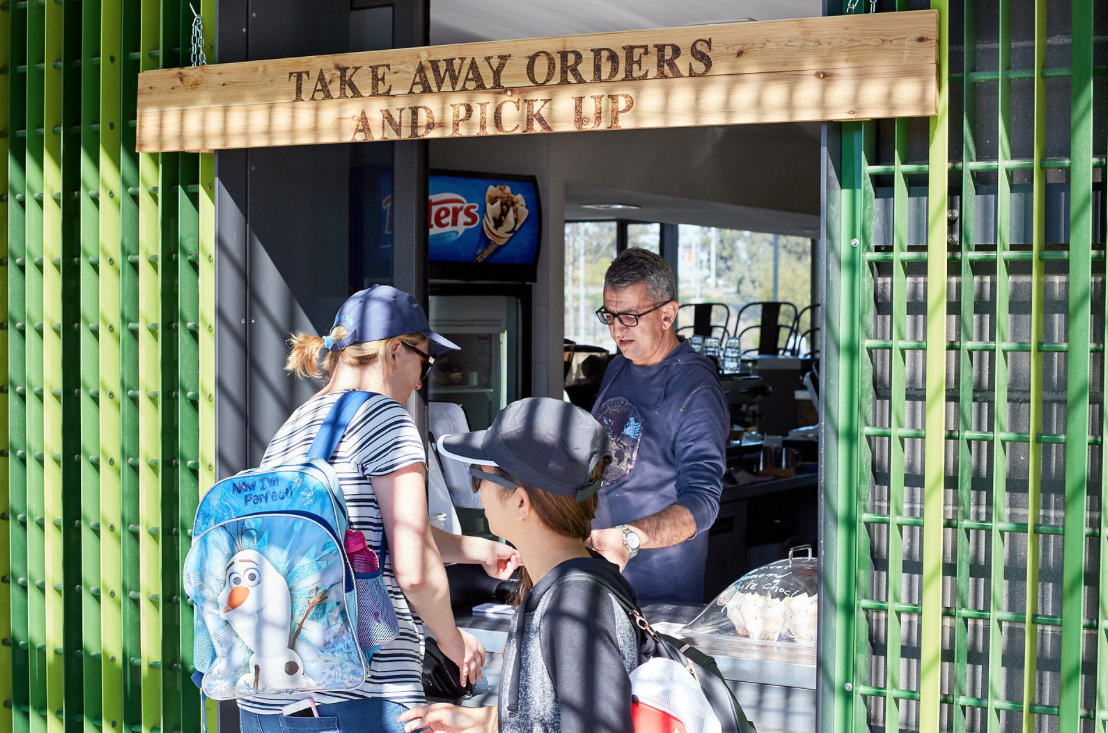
(568, 656)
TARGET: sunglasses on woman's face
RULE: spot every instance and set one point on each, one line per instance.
(476, 476)
(428, 360)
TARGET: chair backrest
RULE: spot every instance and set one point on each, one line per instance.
(796, 338)
(775, 316)
(709, 320)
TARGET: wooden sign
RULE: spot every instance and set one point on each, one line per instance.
(834, 68)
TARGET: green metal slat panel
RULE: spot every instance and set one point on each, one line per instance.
(149, 403)
(52, 363)
(851, 627)
(935, 394)
(897, 423)
(164, 277)
(6, 630)
(1077, 363)
(111, 388)
(89, 289)
(1000, 371)
(965, 365)
(187, 381)
(1035, 458)
(129, 367)
(70, 372)
(16, 370)
(36, 550)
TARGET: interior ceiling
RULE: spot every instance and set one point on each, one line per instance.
(675, 210)
(467, 21)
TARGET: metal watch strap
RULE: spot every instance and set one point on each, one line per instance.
(632, 551)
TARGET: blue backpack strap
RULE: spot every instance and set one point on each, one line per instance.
(335, 424)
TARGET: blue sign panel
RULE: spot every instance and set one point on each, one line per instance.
(478, 220)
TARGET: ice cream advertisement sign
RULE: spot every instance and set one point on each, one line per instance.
(477, 219)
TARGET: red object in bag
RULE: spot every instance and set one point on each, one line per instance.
(652, 720)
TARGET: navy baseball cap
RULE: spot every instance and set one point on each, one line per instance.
(546, 442)
(382, 312)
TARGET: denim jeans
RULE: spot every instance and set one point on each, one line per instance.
(367, 715)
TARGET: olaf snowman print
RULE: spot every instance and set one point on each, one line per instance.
(257, 604)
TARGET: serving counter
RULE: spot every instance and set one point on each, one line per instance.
(774, 683)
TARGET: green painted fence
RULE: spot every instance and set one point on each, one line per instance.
(966, 552)
(109, 410)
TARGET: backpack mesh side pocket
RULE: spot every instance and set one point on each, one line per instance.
(377, 624)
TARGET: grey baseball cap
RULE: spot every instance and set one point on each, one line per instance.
(382, 312)
(548, 443)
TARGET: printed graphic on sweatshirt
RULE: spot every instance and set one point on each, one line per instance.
(623, 423)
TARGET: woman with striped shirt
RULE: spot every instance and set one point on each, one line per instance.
(382, 343)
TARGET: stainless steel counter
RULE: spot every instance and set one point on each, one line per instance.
(775, 683)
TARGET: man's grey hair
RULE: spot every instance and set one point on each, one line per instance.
(637, 265)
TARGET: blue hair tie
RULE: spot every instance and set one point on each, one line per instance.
(328, 342)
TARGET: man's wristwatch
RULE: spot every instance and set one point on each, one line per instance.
(630, 539)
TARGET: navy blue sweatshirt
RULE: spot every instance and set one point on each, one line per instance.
(668, 424)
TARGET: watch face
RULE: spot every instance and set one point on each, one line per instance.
(632, 538)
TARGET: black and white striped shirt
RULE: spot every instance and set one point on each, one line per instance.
(381, 438)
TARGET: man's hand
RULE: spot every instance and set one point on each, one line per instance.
(609, 543)
(450, 719)
(500, 560)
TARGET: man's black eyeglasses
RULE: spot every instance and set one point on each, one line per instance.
(428, 360)
(627, 319)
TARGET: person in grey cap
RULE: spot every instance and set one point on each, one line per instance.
(381, 343)
(570, 647)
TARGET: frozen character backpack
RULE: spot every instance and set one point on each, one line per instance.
(279, 607)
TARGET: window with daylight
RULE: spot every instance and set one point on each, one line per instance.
(590, 248)
(737, 267)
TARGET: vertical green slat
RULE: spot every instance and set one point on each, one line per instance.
(1000, 372)
(1077, 361)
(69, 369)
(851, 622)
(17, 373)
(111, 389)
(188, 383)
(129, 367)
(52, 361)
(843, 333)
(1035, 458)
(90, 367)
(6, 629)
(206, 288)
(959, 680)
(188, 448)
(897, 421)
(164, 278)
(935, 393)
(36, 551)
(1100, 704)
(149, 401)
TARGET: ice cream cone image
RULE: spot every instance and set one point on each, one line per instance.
(505, 213)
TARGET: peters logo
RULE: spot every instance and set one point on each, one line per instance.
(450, 213)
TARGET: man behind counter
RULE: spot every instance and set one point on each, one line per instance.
(668, 420)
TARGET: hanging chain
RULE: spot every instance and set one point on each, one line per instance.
(198, 56)
(852, 7)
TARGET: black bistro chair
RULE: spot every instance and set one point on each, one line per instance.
(811, 334)
(775, 317)
(709, 321)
